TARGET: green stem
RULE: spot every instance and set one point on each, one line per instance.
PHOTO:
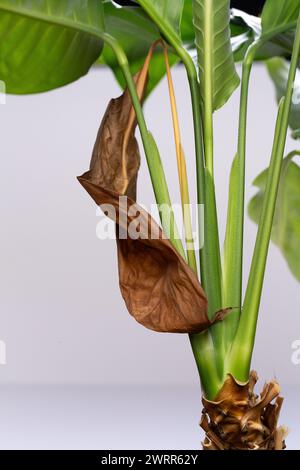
(198, 137)
(212, 271)
(233, 253)
(201, 344)
(203, 350)
(208, 91)
(211, 259)
(233, 250)
(172, 39)
(207, 359)
(181, 168)
(156, 171)
(241, 353)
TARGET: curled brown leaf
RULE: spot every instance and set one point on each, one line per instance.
(160, 290)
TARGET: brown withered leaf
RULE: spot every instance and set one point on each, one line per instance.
(160, 290)
(240, 420)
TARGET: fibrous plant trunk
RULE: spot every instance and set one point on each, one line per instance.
(238, 419)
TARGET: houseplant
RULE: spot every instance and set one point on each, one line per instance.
(46, 44)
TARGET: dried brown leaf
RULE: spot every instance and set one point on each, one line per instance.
(159, 288)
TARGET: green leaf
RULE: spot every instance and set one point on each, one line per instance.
(166, 14)
(244, 29)
(286, 225)
(279, 69)
(279, 14)
(247, 28)
(186, 27)
(215, 57)
(171, 12)
(48, 43)
(126, 25)
(278, 23)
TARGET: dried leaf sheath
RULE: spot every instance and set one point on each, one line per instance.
(160, 290)
(238, 419)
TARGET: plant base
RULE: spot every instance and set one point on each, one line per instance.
(239, 419)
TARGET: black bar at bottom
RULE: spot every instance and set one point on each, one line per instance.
(137, 458)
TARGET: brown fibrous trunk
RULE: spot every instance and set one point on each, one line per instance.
(238, 419)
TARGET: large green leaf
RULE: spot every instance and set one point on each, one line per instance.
(186, 27)
(286, 225)
(279, 14)
(215, 57)
(277, 26)
(48, 43)
(278, 23)
(167, 16)
(244, 29)
(279, 69)
(135, 32)
(170, 11)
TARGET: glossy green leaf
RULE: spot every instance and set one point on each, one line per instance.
(278, 69)
(126, 25)
(286, 225)
(246, 28)
(186, 27)
(48, 43)
(279, 14)
(215, 57)
(278, 23)
(171, 12)
(166, 15)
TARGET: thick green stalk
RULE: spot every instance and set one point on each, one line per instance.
(201, 344)
(172, 39)
(208, 359)
(203, 350)
(152, 155)
(208, 355)
(241, 353)
(211, 260)
(233, 249)
(212, 270)
(199, 150)
(208, 91)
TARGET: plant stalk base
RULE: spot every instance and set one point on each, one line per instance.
(239, 419)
